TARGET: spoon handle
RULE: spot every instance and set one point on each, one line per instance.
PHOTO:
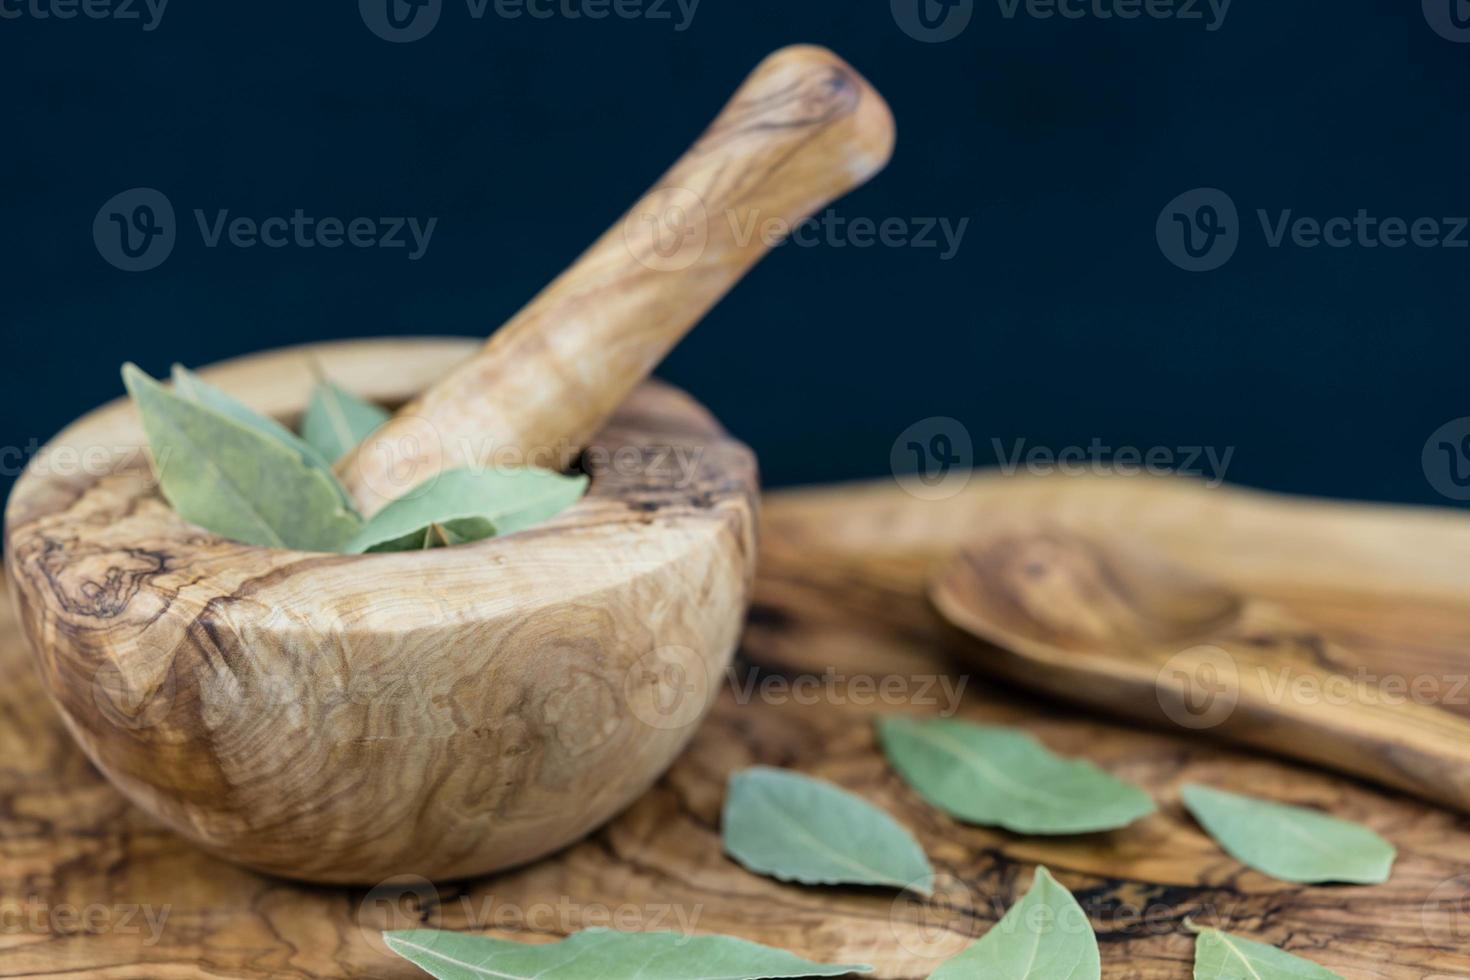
(803, 129)
(1274, 683)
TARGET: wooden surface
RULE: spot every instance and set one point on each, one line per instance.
(804, 128)
(68, 839)
(336, 717)
(1099, 620)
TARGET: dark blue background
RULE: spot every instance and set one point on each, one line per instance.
(1059, 320)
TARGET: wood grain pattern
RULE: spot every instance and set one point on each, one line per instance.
(1104, 622)
(336, 717)
(69, 840)
(802, 130)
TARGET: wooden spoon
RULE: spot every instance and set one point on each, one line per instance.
(1119, 628)
(803, 129)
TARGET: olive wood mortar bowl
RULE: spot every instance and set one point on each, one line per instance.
(348, 718)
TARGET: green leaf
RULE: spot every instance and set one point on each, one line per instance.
(1292, 843)
(797, 828)
(468, 503)
(1221, 956)
(1003, 777)
(337, 420)
(1044, 936)
(189, 385)
(600, 954)
(233, 478)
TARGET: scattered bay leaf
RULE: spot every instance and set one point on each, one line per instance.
(1044, 936)
(336, 420)
(599, 954)
(465, 505)
(1293, 843)
(1222, 956)
(1004, 777)
(233, 478)
(796, 828)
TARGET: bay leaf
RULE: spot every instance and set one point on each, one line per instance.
(337, 420)
(1293, 843)
(1044, 936)
(796, 828)
(468, 503)
(1222, 956)
(233, 478)
(1004, 777)
(600, 954)
(189, 385)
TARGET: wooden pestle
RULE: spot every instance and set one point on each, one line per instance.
(802, 130)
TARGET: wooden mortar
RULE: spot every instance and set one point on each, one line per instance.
(450, 712)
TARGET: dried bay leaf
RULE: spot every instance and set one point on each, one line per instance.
(996, 776)
(1044, 936)
(1222, 956)
(1293, 843)
(796, 828)
(235, 479)
(337, 420)
(467, 504)
(600, 954)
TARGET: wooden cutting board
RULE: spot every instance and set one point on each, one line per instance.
(81, 870)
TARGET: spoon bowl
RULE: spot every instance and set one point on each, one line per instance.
(1114, 626)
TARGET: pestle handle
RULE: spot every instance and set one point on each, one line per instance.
(803, 129)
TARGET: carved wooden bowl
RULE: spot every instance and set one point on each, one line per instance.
(347, 718)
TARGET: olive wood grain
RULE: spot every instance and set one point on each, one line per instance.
(1110, 624)
(82, 871)
(338, 717)
(802, 130)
